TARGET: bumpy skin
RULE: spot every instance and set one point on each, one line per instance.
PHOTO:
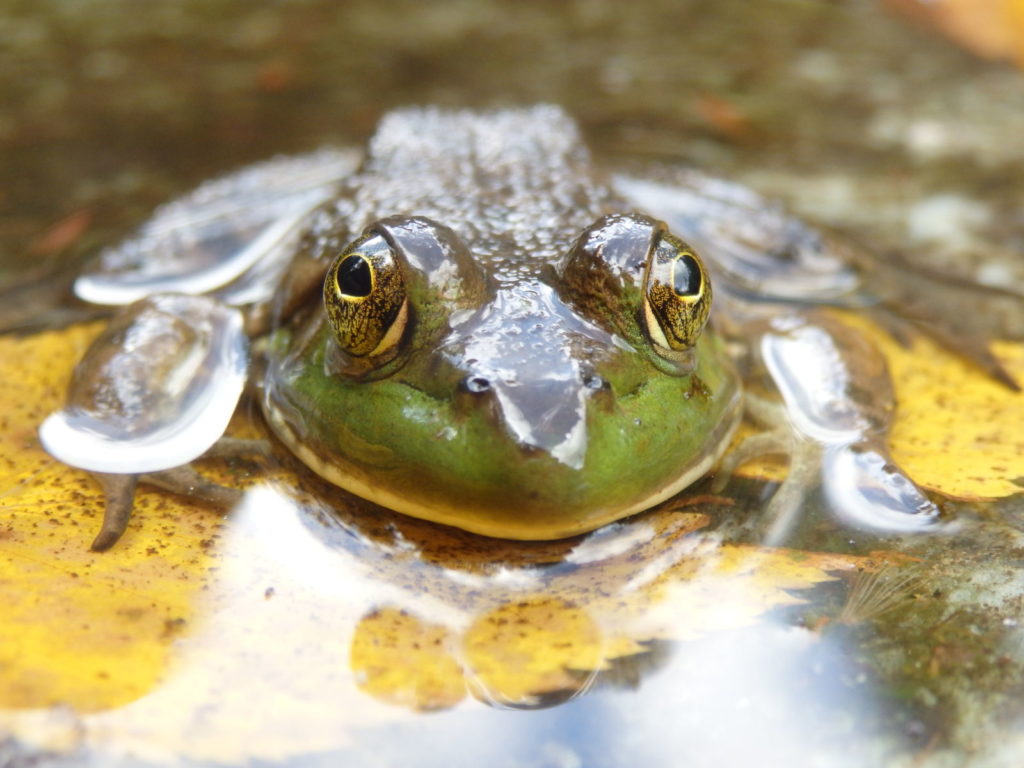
(524, 397)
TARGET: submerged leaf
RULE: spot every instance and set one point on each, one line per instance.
(404, 660)
(956, 430)
(80, 628)
(521, 651)
(384, 614)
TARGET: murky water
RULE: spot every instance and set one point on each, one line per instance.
(288, 634)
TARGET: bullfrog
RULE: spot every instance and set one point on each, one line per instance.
(469, 322)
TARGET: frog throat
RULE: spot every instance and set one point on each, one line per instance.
(457, 516)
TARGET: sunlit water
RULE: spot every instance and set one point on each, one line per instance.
(266, 668)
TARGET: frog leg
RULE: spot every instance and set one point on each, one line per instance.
(233, 236)
(233, 447)
(155, 391)
(778, 438)
(865, 487)
(186, 481)
(754, 447)
(755, 247)
(759, 250)
(839, 401)
(782, 512)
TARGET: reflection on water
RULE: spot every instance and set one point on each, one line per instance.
(314, 638)
(366, 637)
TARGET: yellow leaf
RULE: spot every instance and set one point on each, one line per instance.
(523, 650)
(161, 646)
(955, 430)
(404, 660)
(79, 628)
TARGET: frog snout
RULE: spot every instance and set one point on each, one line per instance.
(546, 412)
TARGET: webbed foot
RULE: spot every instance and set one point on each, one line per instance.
(861, 483)
(119, 493)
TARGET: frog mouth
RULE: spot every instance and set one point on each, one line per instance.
(502, 517)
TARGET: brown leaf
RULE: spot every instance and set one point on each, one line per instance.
(62, 234)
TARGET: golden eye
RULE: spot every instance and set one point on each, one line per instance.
(365, 298)
(677, 295)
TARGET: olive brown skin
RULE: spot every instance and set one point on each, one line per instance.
(470, 326)
(502, 344)
(468, 323)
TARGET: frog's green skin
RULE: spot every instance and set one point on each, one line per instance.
(524, 397)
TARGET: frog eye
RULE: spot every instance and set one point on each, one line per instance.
(676, 295)
(365, 298)
(627, 273)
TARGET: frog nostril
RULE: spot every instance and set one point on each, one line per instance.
(476, 384)
(593, 381)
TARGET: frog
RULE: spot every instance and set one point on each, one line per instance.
(470, 322)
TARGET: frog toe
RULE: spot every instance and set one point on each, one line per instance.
(186, 481)
(119, 497)
(868, 489)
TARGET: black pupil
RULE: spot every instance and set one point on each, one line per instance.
(354, 276)
(686, 276)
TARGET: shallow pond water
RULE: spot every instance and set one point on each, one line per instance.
(307, 628)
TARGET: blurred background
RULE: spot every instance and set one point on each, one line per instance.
(855, 111)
